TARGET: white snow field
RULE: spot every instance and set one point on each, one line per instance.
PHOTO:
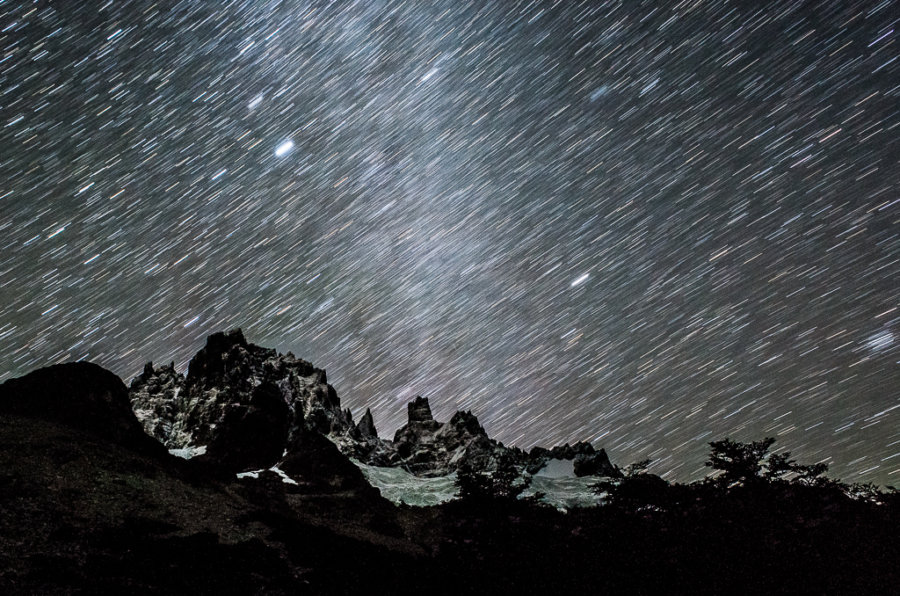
(556, 480)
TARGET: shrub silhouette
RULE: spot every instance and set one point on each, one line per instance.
(504, 484)
(635, 489)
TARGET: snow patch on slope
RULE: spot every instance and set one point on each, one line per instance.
(188, 452)
(558, 468)
(565, 492)
(398, 485)
(255, 474)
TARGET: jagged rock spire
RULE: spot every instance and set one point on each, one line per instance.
(212, 360)
(366, 426)
(418, 410)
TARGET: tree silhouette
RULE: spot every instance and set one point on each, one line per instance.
(635, 489)
(743, 464)
(503, 484)
(637, 468)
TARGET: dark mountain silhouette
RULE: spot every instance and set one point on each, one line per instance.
(82, 396)
(90, 503)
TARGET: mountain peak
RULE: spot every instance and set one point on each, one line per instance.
(234, 337)
(243, 404)
(240, 400)
(211, 360)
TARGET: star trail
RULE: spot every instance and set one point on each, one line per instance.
(646, 225)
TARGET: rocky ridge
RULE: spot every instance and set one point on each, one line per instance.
(245, 407)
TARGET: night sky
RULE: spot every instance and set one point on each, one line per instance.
(645, 225)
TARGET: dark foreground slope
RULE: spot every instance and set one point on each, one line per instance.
(88, 505)
(87, 509)
(725, 544)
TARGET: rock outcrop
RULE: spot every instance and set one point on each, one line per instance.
(252, 434)
(426, 447)
(419, 414)
(595, 464)
(154, 397)
(90, 504)
(319, 467)
(365, 429)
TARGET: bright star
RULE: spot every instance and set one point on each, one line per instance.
(284, 148)
(880, 341)
(581, 280)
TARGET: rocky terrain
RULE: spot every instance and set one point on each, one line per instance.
(239, 405)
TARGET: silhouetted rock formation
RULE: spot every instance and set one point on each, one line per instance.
(82, 396)
(366, 426)
(419, 413)
(587, 461)
(90, 504)
(426, 447)
(594, 464)
(252, 434)
(317, 465)
(154, 397)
